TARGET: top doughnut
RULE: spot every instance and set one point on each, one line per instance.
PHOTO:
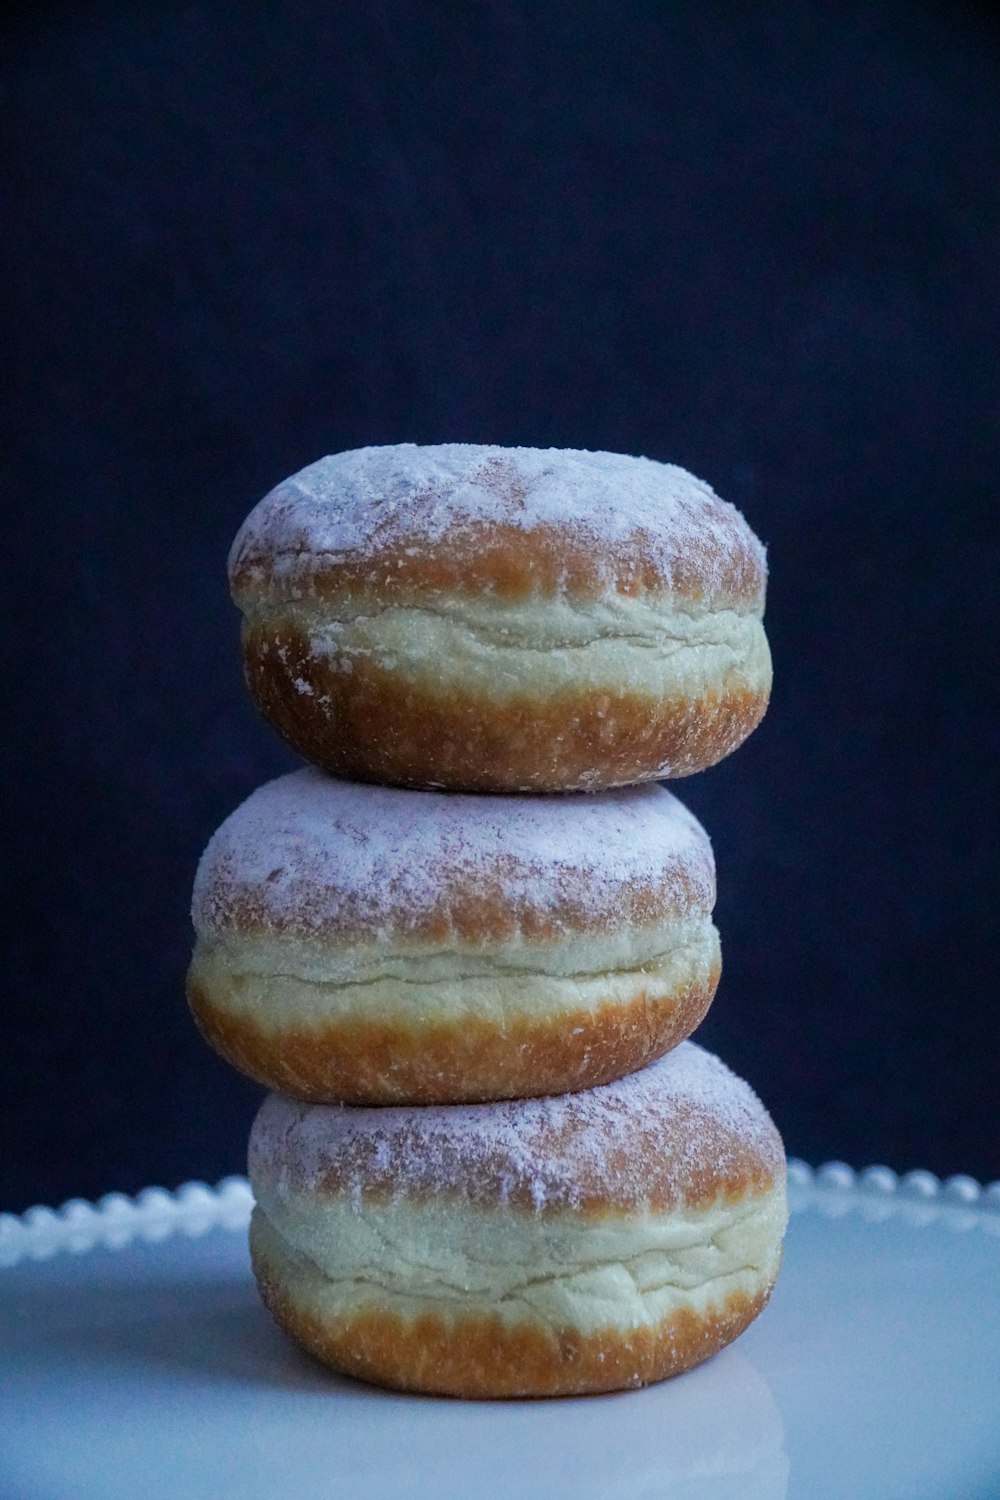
(502, 619)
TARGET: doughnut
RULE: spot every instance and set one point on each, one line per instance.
(502, 619)
(541, 1247)
(375, 945)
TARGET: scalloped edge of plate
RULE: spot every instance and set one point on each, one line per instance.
(116, 1220)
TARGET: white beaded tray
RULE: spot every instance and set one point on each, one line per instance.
(135, 1360)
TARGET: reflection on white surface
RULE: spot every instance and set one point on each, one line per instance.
(151, 1370)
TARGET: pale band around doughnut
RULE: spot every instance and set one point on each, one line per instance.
(376, 946)
(541, 1247)
(502, 619)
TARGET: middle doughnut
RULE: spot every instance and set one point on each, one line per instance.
(370, 945)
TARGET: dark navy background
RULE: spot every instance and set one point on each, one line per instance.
(761, 241)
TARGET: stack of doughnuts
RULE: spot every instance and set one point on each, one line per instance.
(466, 946)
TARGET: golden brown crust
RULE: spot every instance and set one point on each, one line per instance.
(682, 1131)
(382, 1061)
(724, 563)
(483, 1357)
(478, 913)
(363, 723)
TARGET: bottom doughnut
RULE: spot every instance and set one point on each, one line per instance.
(546, 1247)
(481, 1354)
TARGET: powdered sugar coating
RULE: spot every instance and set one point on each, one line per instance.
(368, 501)
(308, 854)
(684, 1130)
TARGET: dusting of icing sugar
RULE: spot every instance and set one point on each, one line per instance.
(679, 1129)
(358, 503)
(309, 854)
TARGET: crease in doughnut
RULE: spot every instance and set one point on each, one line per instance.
(439, 655)
(536, 627)
(381, 946)
(629, 1291)
(266, 980)
(616, 1272)
(532, 1248)
(502, 620)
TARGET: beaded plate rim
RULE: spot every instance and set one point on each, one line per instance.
(117, 1220)
(155, 1214)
